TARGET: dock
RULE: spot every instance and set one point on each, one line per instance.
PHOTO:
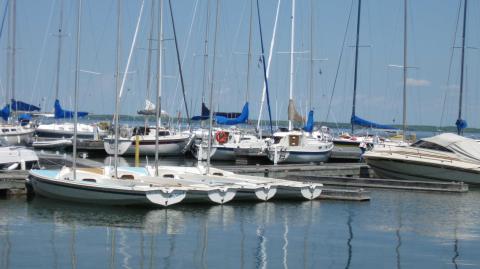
(431, 186)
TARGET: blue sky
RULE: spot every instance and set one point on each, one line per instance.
(431, 33)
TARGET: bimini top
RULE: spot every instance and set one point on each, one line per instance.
(464, 148)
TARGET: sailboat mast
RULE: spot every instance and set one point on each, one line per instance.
(14, 45)
(356, 63)
(117, 86)
(311, 55)
(158, 106)
(405, 70)
(249, 53)
(459, 120)
(59, 50)
(77, 73)
(292, 44)
(149, 53)
(205, 53)
(210, 119)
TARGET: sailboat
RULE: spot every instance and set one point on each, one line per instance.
(58, 134)
(297, 146)
(11, 133)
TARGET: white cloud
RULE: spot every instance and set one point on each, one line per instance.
(418, 82)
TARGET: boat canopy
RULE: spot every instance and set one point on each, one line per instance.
(465, 148)
(242, 118)
(22, 106)
(355, 120)
(309, 126)
(61, 113)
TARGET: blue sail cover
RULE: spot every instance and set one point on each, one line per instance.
(5, 112)
(365, 123)
(309, 126)
(461, 124)
(242, 118)
(60, 113)
(205, 113)
(22, 106)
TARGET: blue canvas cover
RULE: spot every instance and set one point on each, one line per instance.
(242, 118)
(5, 112)
(61, 114)
(22, 106)
(365, 123)
(461, 124)
(309, 126)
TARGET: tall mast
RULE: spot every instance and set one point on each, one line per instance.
(459, 120)
(158, 106)
(14, 45)
(311, 55)
(405, 70)
(210, 119)
(59, 49)
(179, 64)
(249, 53)
(356, 63)
(117, 86)
(149, 50)
(292, 44)
(205, 53)
(77, 73)
(9, 54)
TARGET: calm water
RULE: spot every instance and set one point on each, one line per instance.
(394, 230)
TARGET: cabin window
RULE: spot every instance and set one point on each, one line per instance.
(168, 176)
(293, 140)
(244, 138)
(5, 130)
(89, 180)
(429, 145)
(163, 133)
(218, 174)
(277, 139)
(127, 177)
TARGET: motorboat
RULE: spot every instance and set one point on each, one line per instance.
(170, 142)
(447, 157)
(17, 158)
(297, 146)
(15, 135)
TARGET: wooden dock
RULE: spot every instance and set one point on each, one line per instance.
(384, 183)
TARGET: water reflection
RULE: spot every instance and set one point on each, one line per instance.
(237, 235)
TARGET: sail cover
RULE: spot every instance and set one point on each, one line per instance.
(61, 113)
(5, 112)
(309, 126)
(461, 124)
(293, 114)
(365, 123)
(22, 106)
(242, 118)
(206, 114)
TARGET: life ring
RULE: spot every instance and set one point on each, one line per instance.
(221, 137)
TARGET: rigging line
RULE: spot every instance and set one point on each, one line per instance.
(339, 62)
(42, 51)
(450, 64)
(179, 63)
(187, 42)
(4, 17)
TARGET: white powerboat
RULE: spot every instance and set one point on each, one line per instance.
(170, 143)
(447, 157)
(15, 135)
(13, 158)
(298, 147)
(65, 130)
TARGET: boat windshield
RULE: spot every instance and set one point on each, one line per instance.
(430, 145)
